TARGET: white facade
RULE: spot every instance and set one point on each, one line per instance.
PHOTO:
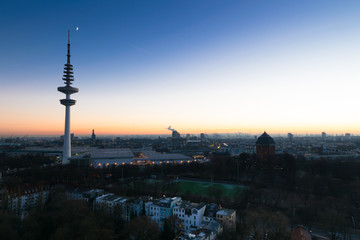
(160, 210)
(190, 215)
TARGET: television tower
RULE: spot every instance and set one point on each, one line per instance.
(67, 102)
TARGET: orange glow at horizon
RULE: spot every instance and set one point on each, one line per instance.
(156, 130)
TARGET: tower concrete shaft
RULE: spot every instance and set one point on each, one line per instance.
(67, 102)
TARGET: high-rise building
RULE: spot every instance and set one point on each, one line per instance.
(290, 136)
(202, 137)
(347, 136)
(67, 102)
(323, 135)
(93, 136)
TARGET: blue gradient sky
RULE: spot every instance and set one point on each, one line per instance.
(199, 66)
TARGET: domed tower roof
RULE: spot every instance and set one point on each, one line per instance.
(265, 139)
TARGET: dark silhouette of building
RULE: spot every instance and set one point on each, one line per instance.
(265, 151)
(93, 136)
(290, 136)
(175, 134)
(323, 135)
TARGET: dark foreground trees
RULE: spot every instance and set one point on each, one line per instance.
(141, 228)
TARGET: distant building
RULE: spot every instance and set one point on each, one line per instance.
(227, 217)
(265, 151)
(347, 136)
(93, 136)
(323, 135)
(175, 134)
(72, 136)
(103, 157)
(290, 136)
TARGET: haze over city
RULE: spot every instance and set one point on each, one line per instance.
(199, 66)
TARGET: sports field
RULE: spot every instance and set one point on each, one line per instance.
(206, 188)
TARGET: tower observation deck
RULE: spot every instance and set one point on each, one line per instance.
(67, 102)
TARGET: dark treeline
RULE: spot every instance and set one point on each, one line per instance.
(23, 161)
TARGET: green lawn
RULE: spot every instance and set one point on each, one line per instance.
(204, 188)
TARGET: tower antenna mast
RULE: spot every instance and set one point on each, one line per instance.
(67, 102)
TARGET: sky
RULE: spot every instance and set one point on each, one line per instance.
(196, 65)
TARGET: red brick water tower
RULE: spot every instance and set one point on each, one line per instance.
(265, 151)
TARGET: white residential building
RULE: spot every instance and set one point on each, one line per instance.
(160, 210)
(190, 215)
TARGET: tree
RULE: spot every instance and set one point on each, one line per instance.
(334, 223)
(141, 228)
(262, 222)
(168, 233)
(9, 227)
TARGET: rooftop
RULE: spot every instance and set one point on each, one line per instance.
(265, 139)
(190, 205)
(225, 212)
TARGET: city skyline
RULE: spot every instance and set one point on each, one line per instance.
(209, 66)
